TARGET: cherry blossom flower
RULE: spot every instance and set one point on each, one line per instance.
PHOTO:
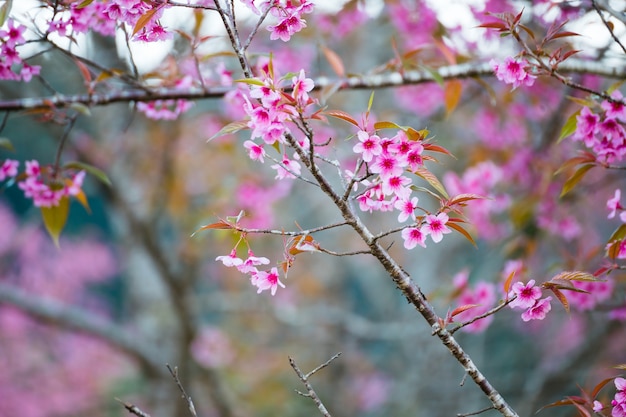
(288, 168)
(249, 264)
(231, 259)
(368, 146)
(615, 110)
(256, 152)
(407, 208)
(538, 311)
(265, 280)
(613, 205)
(436, 226)
(8, 169)
(527, 295)
(386, 166)
(514, 72)
(301, 87)
(597, 406)
(619, 401)
(412, 237)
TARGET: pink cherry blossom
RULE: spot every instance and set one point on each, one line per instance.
(301, 87)
(613, 205)
(615, 110)
(483, 295)
(256, 152)
(412, 237)
(514, 72)
(527, 295)
(538, 311)
(436, 226)
(386, 166)
(231, 259)
(8, 169)
(265, 280)
(368, 146)
(407, 208)
(249, 264)
(288, 168)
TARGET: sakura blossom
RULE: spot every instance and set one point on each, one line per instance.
(538, 311)
(407, 208)
(267, 280)
(436, 226)
(412, 237)
(231, 259)
(527, 294)
(514, 72)
(368, 146)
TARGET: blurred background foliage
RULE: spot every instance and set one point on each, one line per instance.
(132, 262)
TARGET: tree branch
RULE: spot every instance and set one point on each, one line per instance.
(73, 318)
(364, 82)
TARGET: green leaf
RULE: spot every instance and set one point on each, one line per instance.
(84, 3)
(230, 128)
(90, 169)
(81, 108)
(55, 217)
(435, 74)
(369, 104)
(5, 9)
(386, 125)
(569, 127)
(619, 234)
(575, 179)
(251, 81)
(432, 180)
(6, 144)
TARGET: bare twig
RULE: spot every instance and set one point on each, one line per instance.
(133, 409)
(475, 412)
(594, 3)
(486, 314)
(305, 380)
(73, 318)
(174, 373)
(362, 82)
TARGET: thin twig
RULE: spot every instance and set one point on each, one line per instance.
(486, 314)
(63, 141)
(608, 27)
(476, 412)
(305, 380)
(256, 28)
(174, 373)
(133, 409)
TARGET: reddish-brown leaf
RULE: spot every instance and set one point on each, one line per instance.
(462, 231)
(339, 114)
(218, 225)
(462, 308)
(494, 25)
(507, 283)
(335, 61)
(561, 297)
(452, 95)
(436, 148)
(144, 20)
(463, 198)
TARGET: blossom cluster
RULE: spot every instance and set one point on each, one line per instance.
(269, 111)
(619, 401)
(12, 66)
(288, 14)
(604, 132)
(44, 192)
(482, 296)
(513, 71)
(104, 17)
(389, 159)
(528, 297)
(614, 206)
(263, 280)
